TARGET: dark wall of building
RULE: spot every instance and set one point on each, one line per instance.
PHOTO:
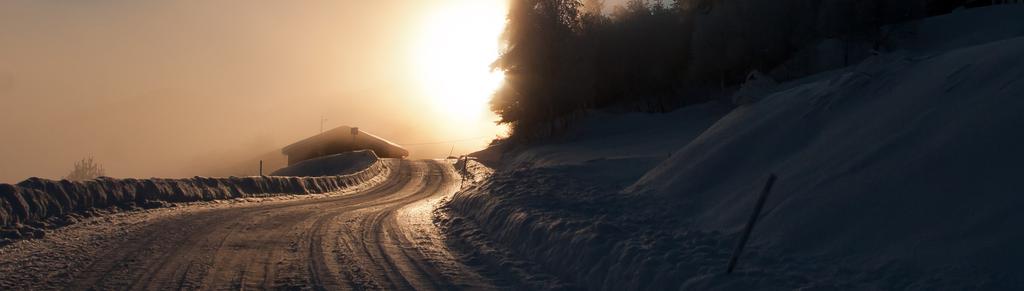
(341, 140)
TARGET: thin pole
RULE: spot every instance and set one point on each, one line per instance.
(261, 168)
(322, 120)
(750, 224)
(464, 173)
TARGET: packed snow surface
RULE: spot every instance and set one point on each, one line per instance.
(900, 172)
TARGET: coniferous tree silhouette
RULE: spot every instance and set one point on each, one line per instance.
(563, 58)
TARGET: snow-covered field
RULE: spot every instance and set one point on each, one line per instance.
(900, 172)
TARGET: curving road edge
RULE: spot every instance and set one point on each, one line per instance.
(378, 238)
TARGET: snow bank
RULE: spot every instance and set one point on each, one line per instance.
(332, 165)
(899, 163)
(630, 136)
(38, 199)
(557, 204)
(897, 173)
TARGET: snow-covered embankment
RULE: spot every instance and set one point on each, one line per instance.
(899, 172)
(36, 199)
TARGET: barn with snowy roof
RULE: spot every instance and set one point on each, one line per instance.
(339, 140)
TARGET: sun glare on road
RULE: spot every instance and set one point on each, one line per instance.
(456, 46)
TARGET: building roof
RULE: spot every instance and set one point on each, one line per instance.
(342, 133)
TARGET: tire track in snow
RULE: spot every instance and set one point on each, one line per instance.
(363, 240)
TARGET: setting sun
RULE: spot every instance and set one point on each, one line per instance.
(457, 44)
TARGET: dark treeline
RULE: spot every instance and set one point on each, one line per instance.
(563, 57)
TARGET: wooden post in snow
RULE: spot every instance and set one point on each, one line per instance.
(462, 172)
(750, 224)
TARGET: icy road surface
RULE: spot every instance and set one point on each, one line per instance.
(378, 238)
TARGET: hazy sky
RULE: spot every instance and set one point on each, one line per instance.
(155, 88)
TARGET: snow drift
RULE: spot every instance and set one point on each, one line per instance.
(556, 204)
(331, 165)
(38, 199)
(897, 173)
(901, 161)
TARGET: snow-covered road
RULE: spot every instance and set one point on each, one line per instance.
(379, 238)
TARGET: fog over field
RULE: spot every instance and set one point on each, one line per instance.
(600, 144)
(169, 88)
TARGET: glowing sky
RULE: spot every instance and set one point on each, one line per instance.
(159, 88)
